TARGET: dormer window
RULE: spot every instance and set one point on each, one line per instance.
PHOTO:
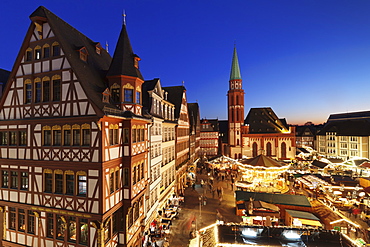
(98, 48)
(136, 61)
(83, 54)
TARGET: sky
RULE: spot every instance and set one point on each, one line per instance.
(306, 59)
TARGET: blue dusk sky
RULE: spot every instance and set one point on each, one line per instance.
(306, 59)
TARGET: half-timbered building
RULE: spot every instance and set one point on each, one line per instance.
(73, 141)
(162, 148)
(177, 96)
(194, 133)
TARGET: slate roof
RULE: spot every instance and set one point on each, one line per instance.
(282, 199)
(224, 129)
(175, 95)
(263, 161)
(347, 128)
(301, 214)
(364, 115)
(91, 74)
(212, 125)
(146, 87)
(124, 58)
(193, 111)
(264, 120)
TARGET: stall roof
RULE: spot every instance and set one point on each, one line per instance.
(282, 199)
(301, 214)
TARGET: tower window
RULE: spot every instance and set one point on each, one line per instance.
(128, 95)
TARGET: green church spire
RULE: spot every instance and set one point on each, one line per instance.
(235, 69)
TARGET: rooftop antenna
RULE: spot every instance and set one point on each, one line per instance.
(124, 17)
(106, 46)
(183, 83)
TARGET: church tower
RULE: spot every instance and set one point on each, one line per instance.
(235, 101)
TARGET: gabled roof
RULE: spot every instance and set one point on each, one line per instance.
(193, 111)
(264, 120)
(147, 86)
(283, 199)
(91, 74)
(213, 125)
(123, 62)
(175, 95)
(347, 128)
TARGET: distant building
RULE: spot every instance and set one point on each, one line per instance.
(345, 135)
(209, 137)
(261, 132)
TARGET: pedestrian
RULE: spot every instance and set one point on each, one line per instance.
(201, 183)
(218, 191)
(219, 200)
(193, 186)
(213, 193)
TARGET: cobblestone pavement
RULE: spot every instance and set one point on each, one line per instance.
(195, 215)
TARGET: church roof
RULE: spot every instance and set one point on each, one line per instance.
(91, 74)
(123, 62)
(264, 120)
(262, 161)
(235, 69)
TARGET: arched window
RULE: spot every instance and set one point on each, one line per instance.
(254, 149)
(283, 150)
(46, 132)
(236, 156)
(67, 135)
(57, 135)
(46, 51)
(268, 149)
(45, 89)
(57, 89)
(37, 52)
(28, 56)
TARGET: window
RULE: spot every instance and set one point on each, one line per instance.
(138, 98)
(3, 138)
(28, 91)
(115, 93)
(31, 222)
(70, 183)
(58, 177)
(56, 88)
(46, 51)
(128, 95)
(22, 138)
(38, 88)
(57, 135)
(24, 180)
(12, 218)
(48, 178)
(72, 229)
(13, 138)
(4, 179)
(61, 226)
(66, 135)
(76, 135)
(47, 135)
(113, 134)
(107, 229)
(28, 55)
(14, 180)
(37, 53)
(126, 180)
(83, 231)
(126, 136)
(50, 225)
(85, 135)
(116, 182)
(111, 182)
(82, 185)
(21, 220)
(83, 54)
(56, 49)
(45, 89)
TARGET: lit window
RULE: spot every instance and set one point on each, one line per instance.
(14, 180)
(72, 229)
(22, 138)
(61, 226)
(50, 225)
(4, 179)
(21, 220)
(37, 53)
(24, 181)
(12, 218)
(83, 231)
(3, 138)
(82, 184)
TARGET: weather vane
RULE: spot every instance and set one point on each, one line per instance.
(124, 17)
